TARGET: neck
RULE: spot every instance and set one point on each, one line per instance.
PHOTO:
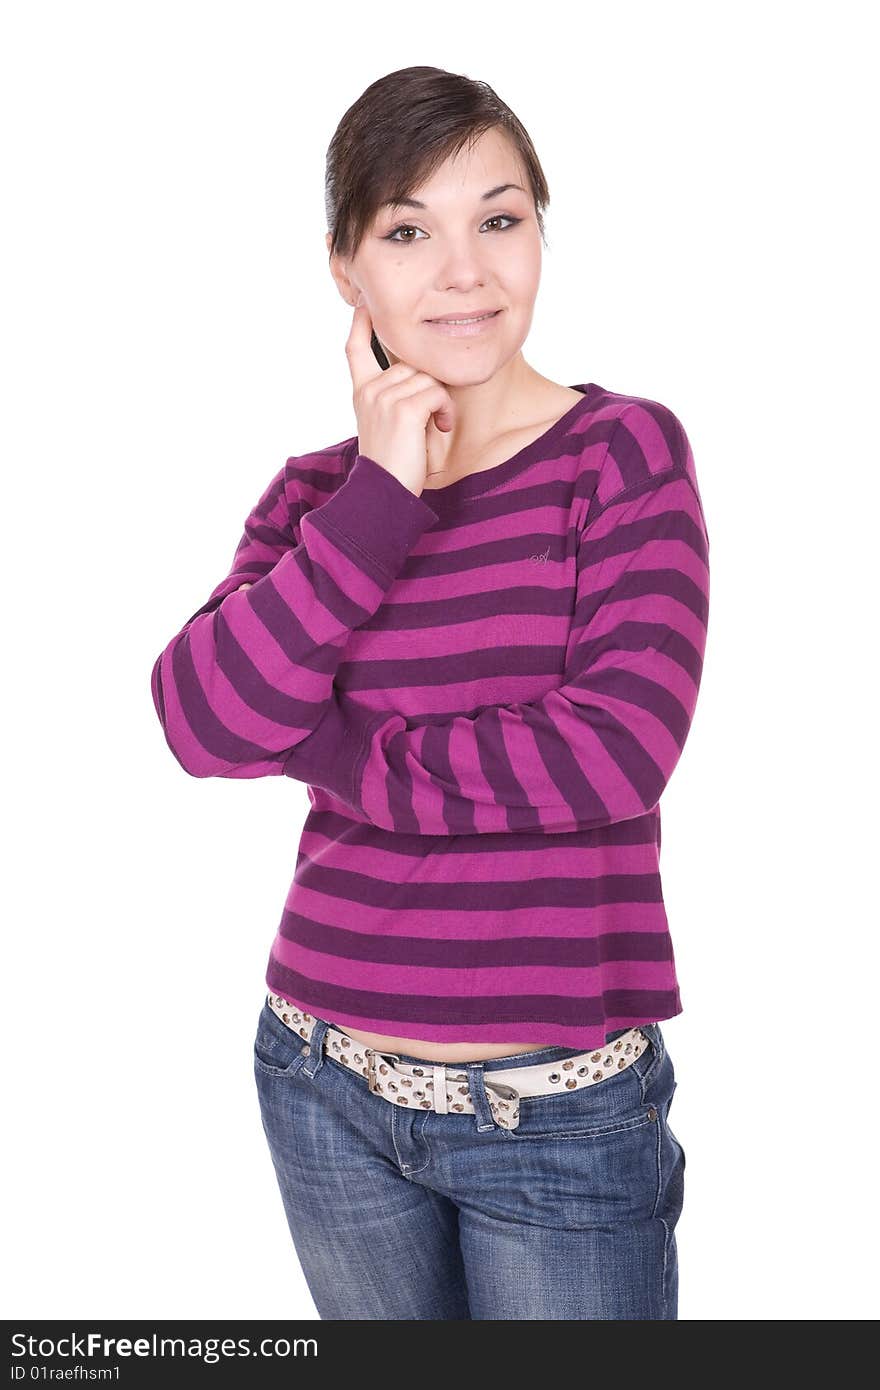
(484, 411)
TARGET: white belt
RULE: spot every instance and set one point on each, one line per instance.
(437, 1085)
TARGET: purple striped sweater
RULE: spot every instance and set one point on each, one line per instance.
(486, 689)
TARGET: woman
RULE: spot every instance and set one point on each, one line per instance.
(476, 630)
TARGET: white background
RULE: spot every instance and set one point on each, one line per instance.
(171, 334)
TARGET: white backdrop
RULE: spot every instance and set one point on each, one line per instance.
(171, 334)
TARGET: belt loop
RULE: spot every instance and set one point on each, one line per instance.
(657, 1046)
(477, 1088)
(315, 1048)
(438, 1076)
(658, 1042)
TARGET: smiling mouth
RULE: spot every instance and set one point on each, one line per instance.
(470, 318)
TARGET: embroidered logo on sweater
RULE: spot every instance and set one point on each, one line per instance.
(540, 559)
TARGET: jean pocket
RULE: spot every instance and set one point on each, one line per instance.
(278, 1050)
(612, 1105)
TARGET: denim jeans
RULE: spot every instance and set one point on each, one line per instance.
(399, 1213)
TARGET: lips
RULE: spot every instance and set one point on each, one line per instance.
(466, 318)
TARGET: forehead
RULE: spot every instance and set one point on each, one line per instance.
(488, 170)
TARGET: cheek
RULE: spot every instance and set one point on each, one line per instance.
(521, 315)
(525, 278)
(524, 286)
(393, 318)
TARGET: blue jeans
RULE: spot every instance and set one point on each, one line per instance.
(399, 1213)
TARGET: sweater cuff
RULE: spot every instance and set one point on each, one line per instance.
(333, 755)
(377, 514)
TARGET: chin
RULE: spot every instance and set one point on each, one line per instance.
(457, 367)
(461, 376)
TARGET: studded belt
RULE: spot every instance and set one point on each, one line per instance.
(438, 1085)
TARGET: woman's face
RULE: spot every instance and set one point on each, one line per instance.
(460, 253)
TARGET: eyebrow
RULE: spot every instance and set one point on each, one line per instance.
(414, 202)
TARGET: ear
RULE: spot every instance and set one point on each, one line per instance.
(339, 271)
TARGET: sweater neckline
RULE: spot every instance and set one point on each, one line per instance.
(441, 499)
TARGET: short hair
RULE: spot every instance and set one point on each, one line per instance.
(398, 132)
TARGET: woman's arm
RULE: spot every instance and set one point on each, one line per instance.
(249, 675)
(601, 747)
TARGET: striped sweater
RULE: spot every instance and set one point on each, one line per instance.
(486, 689)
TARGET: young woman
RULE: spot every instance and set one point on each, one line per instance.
(476, 630)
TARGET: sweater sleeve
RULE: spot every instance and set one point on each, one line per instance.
(249, 675)
(598, 749)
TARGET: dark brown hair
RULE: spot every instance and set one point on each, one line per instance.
(402, 128)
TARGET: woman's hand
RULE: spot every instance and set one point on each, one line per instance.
(394, 407)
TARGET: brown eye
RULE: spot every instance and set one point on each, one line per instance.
(405, 227)
(408, 227)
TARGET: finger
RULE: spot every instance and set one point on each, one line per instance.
(361, 358)
(243, 586)
(442, 409)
